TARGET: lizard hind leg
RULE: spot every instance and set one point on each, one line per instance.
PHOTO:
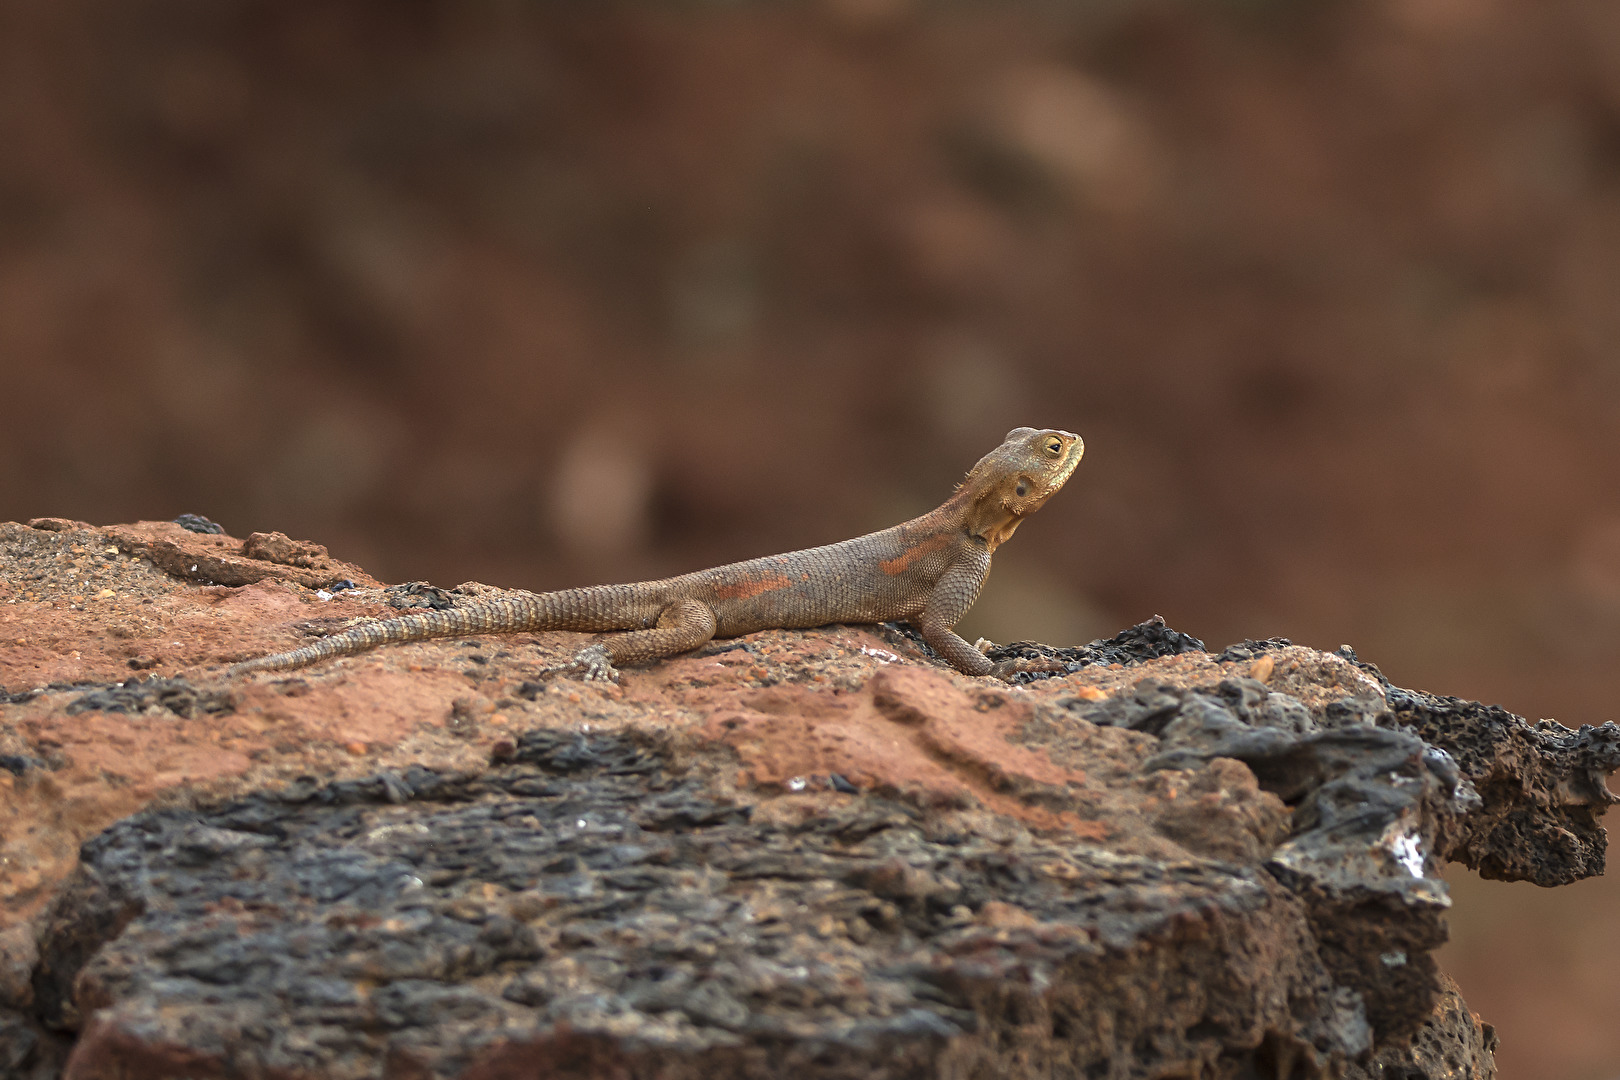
(682, 627)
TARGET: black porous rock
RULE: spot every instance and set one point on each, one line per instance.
(592, 909)
(1147, 640)
(137, 695)
(198, 524)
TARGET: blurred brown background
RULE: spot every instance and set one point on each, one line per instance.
(544, 294)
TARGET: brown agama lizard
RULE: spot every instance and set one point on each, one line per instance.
(928, 570)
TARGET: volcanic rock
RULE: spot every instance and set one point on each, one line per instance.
(807, 853)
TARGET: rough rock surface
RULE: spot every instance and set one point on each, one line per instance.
(804, 853)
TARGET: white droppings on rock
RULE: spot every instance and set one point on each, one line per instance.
(1408, 851)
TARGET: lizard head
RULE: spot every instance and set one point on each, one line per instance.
(1016, 478)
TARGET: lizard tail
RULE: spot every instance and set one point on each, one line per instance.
(539, 612)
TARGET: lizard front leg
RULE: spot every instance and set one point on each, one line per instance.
(953, 594)
(682, 627)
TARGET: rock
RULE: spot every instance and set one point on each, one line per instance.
(394, 924)
(280, 548)
(19, 955)
(224, 560)
(816, 853)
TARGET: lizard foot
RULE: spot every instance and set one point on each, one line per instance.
(595, 664)
(1006, 669)
(592, 663)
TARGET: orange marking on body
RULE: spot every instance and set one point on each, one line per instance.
(902, 562)
(742, 590)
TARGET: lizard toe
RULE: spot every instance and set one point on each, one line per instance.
(1006, 669)
(595, 664)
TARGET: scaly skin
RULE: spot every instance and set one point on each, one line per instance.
(928, 570)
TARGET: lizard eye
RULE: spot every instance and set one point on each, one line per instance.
(1054, 447)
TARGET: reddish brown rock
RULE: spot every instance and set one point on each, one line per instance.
(224, 560)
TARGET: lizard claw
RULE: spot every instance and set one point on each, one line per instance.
(592, 663)
(595, 664)
(1006, 669)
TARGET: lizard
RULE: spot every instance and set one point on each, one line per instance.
(928, 571)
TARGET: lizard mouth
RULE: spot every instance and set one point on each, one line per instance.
(1070, 462)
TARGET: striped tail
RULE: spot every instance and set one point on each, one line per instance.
(543, 611)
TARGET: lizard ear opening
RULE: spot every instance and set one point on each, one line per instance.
(1022, 489)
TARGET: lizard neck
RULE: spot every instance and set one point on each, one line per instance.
(979, 511)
